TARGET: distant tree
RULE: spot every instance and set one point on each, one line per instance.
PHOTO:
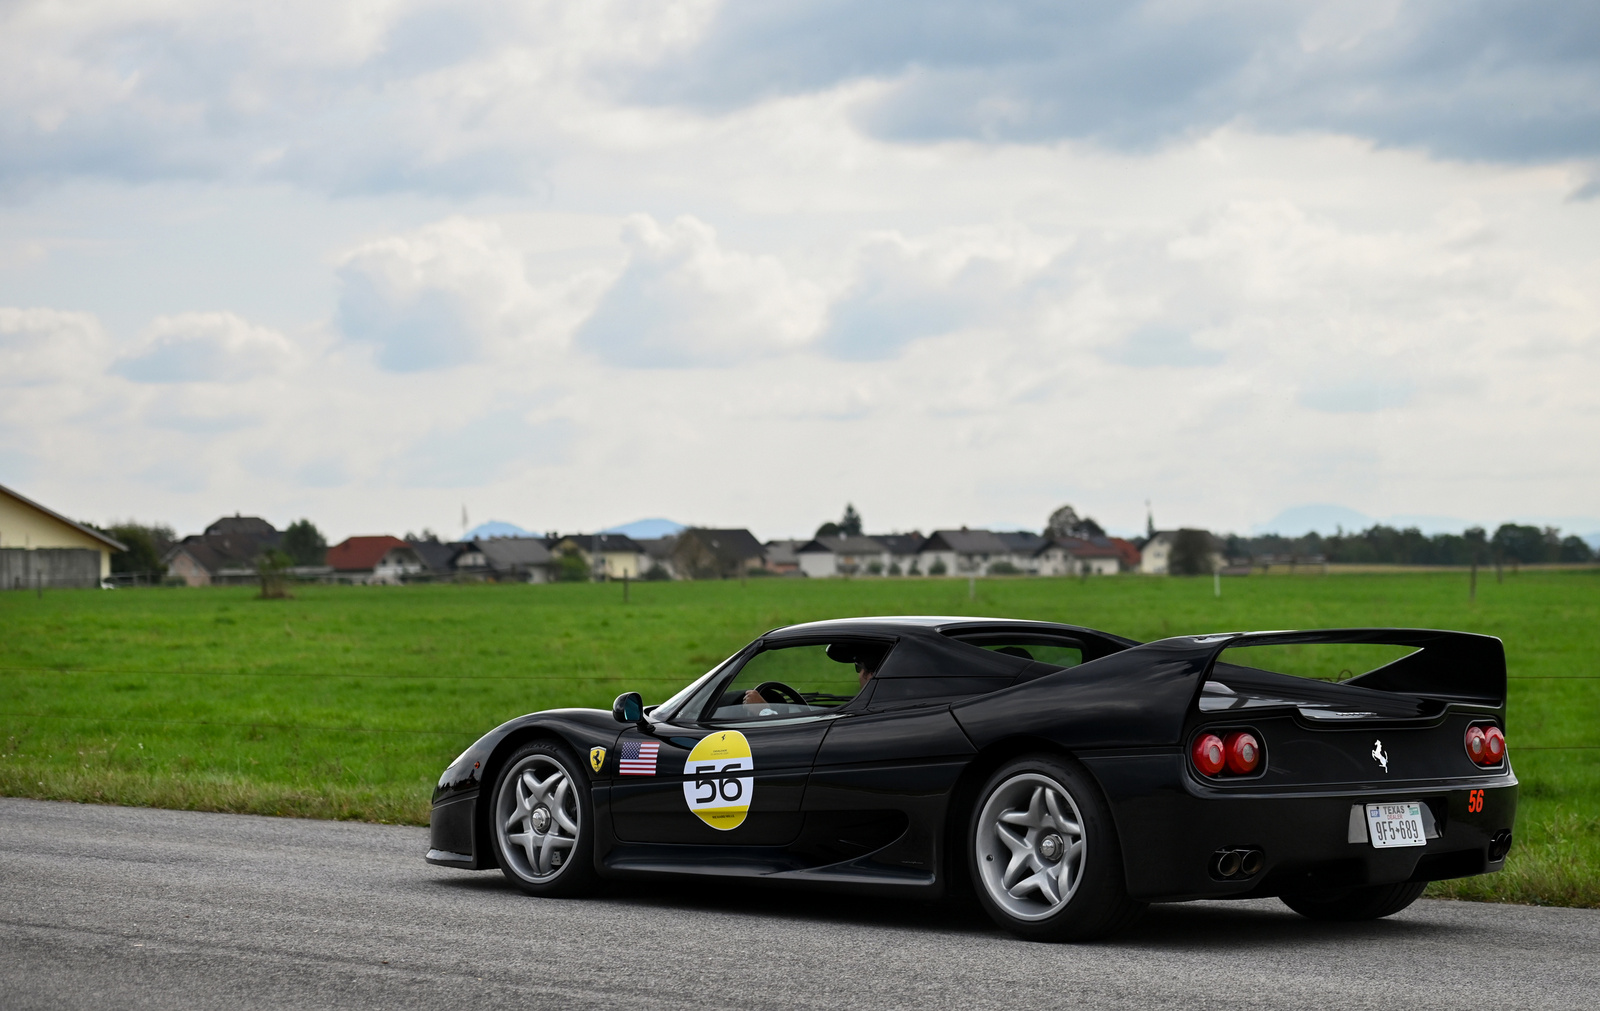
(146, 546)
(304, 543)
(272, 569)
(1003, 568)
(828, 529)
(1065, 522)
(850, 522)
(1191, 553)
(571, 568)
(1575, 549)
(657, 573)
(894, 568)
(937, 568)
(1514, 542)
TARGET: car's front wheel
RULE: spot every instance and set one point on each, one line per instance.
(543, 821)
(1368, 903)
(1044, 853)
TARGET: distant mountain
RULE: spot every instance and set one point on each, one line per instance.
(496, 528)
(650, 528)
(1323, 519)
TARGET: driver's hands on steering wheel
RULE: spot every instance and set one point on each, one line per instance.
(753, 698)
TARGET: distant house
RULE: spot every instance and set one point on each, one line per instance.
(374, 560)
(1156, 555)
(438, 558)
(902, 549)
(620, 555)
(779, 556)
(1026, 549)
(706, 553)
(1128, 554)
(962, 552)
(510, 559)
(1080, 556)
(843, 556)
(225, 554)
(41, 548)
(658, 563)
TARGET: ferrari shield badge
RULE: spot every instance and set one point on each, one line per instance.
(597, 758)
(718, 785)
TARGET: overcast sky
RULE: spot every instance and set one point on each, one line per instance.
(573, 264)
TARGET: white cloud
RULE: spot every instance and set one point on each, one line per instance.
(682, 299)
(40, 346)
(195, 347)
(451, 293)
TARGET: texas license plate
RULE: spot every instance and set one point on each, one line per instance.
(1395, 824)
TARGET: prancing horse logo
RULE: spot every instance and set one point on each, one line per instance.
(1379, 756)
(597, 758)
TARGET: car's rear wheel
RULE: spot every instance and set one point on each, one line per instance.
(1044, 853)
(543, 821)
(1367, 903)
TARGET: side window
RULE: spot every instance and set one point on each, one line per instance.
(1051, 653)
(795, 681)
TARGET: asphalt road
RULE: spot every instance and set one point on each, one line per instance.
(104, 907)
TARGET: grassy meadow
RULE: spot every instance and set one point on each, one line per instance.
(347, 702)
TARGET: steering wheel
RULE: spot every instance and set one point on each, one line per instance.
(780, 692)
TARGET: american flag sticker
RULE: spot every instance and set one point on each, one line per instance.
(638, 758)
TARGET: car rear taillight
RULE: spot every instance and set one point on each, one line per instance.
(1208, 755)
(1494, 745)
(1486, 745)
(1242, 753)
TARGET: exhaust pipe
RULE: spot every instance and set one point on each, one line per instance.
(1237, 862)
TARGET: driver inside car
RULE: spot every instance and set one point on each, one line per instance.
(865, 658)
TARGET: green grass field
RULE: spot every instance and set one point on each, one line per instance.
(347, 702)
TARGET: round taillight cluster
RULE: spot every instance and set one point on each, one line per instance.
(1239, 753)
(1486, 745)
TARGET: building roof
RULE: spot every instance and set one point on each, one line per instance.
(1128, 550)
(967, 542)
(842, 545)
(107, 540)
(437, 556)
(247, 526)
(658, 548)
(510, 553)
(736, 544)
(901, 544)
(361, 554)
(1023, 542)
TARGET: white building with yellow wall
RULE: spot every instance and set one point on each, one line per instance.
(40, 548)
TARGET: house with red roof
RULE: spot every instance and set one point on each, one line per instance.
(374, 560)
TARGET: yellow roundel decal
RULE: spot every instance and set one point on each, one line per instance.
(719, 786)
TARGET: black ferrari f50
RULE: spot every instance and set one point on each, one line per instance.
(1068, 776)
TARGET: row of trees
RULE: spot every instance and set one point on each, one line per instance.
(1511, 544)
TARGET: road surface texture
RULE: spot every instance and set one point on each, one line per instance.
(105, 907)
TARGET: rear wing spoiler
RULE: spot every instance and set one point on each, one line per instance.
(1461, 666)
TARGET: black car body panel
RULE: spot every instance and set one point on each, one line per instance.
(874, 795)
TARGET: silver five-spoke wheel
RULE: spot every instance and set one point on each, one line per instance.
(537, 818)
(1030, 846)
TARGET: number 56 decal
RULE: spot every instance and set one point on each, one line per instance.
(720, 787)
(1474, 801)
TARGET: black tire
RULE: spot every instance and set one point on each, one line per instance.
(542, 832)
(1368, 903)
(1082, 870)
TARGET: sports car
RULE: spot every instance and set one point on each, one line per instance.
(1066, 776)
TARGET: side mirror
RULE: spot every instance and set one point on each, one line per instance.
(629, 708)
